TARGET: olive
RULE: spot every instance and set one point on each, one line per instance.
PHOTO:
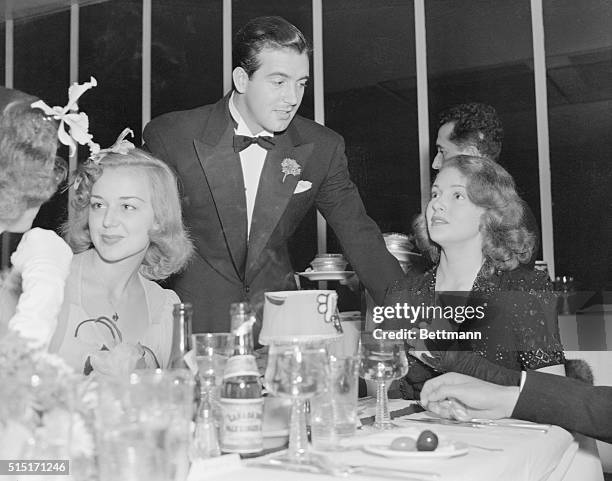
(403, 443)
(428, 441)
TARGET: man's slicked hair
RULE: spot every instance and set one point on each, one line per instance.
(476, 125)
(265, 32)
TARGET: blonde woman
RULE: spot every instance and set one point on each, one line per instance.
(126, 232)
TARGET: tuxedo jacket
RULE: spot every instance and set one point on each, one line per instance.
(566, 402)
(227, 268)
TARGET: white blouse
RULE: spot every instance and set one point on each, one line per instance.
(75, 347)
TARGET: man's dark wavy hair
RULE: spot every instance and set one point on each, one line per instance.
(476, 125)
(265, 32)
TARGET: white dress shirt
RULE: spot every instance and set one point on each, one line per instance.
(252, 160)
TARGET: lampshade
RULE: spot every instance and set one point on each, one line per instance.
(300, 316)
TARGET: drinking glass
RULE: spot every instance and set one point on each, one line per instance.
(297, 371)
(212, 350)
(333, 414)
(382, 361)
(143, 426)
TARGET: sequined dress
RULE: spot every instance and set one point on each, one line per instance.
(518, 325)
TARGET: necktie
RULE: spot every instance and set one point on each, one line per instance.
(241, 142)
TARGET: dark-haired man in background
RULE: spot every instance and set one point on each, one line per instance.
(468, 129)
(476, 129)
(251, 169)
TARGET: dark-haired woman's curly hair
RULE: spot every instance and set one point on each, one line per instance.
(170, 247)
(506, 242)
(30, 171)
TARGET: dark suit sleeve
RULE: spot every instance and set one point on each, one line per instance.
(472, 364)
(568, 403)
(360, 237)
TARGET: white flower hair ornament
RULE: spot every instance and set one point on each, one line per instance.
(77, 122)
(121, 146)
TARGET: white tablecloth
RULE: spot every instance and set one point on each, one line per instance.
(527, 455)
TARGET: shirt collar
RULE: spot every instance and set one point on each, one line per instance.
(243, 128)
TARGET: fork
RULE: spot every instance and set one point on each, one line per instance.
(344, 470)
(486, 448)
(382, 472)
(323, 465)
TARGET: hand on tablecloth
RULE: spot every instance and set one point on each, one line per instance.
(457, 396)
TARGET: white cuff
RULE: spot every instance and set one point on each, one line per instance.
(523, 379)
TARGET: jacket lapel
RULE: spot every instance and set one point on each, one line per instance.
(223, 172)
(274, 192)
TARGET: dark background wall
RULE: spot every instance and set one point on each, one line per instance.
(477, 50)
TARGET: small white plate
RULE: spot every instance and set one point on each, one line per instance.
(275, 434)
(326, 275)
(445, 449)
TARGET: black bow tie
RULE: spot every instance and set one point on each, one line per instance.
(241, 142)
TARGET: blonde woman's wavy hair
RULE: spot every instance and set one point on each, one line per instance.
(170, 246)
(506, 242)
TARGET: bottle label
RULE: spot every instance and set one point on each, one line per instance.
(241, 365)
(241, 429)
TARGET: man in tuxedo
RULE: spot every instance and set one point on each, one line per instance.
(250, 169)
(541, 397)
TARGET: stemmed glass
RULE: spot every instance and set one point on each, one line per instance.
(382, 361)
(297, 371)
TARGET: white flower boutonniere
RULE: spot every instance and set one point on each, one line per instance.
(290, 167)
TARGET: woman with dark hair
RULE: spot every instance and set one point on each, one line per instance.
(126, 231)
(478, 290)
(32, 292)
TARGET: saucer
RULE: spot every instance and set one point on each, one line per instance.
(326, 275)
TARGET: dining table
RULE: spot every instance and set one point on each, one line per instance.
(503, 450)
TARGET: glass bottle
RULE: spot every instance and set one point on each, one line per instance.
(241, 313)
(181, 335)
(242, 406)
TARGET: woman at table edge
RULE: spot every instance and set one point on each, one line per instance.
(540, 397)
(31, 292)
